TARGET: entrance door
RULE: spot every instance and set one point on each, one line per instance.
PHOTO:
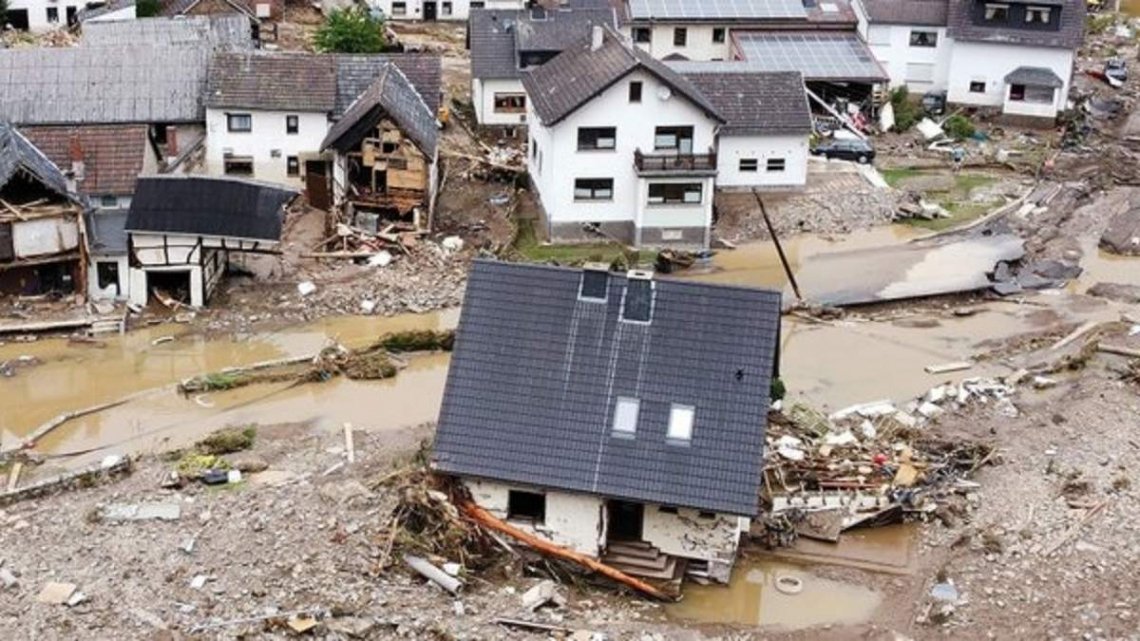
(317, 189)
(429, 10)
(625, 520)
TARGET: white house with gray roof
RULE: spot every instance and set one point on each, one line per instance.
(443, 10)
(621, 146)
(597, 441)
(1015, 55)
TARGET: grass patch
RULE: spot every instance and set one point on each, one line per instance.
(425, 340)
(960, 214)
(227, 441)
(192, 464)
(527, 244)
(956, 200)
(897, 175)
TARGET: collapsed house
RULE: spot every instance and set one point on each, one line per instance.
(41, 226)
(182, 231)
(634, 433)
(387, 150)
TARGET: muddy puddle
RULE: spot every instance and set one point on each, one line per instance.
(752, 598)
(69, 377)
(1104, 267)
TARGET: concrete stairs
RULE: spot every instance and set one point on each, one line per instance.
(642, 560)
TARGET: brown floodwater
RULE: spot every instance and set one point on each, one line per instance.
(77, 376)
(751, 598)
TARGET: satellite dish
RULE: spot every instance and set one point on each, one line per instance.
(664, 93)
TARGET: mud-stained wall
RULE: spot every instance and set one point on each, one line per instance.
(572, 520)
(690, 535)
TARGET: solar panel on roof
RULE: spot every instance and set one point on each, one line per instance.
(716, 9)
(818, 56)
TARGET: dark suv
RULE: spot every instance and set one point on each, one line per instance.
(860, 151)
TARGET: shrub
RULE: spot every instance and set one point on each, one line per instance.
(352, 30)
(958, 126)
(147, 8)
(907, 112)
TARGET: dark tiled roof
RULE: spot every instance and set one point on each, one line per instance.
(173, 8)
(221, 33)
(757, 103)
(264, 80)
(1069, 36)
(493, 43)
(113, 155)
(559, 29)
(18, 154)
(1034, 77)
(200, 206)
(536, 372)
(356, 72)
(578, 74)
(928, 13)
(106, 231)
(392, 94)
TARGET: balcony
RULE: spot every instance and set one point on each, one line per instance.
(674, 163)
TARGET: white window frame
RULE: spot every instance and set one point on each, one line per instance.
(749, 165)
(1033, 11)
(992, 8)
(681, 419)
(932, 38)
(627, 410)
(776, 165)
(402, 8)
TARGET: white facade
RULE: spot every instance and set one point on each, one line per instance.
(579, 522)
(697, 42)
(978, 71)
(915, 56)
(439, 9)
(268, 145)
(43, 15)
(44, 236)
(556, 163)
(117, 289)
(486, 94)
(124, 13)
(762, 161)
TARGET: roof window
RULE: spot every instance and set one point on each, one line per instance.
(595, 282)
(638, 305)
(625, 416)
(681, 423)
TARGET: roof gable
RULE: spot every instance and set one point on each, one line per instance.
(581, 72)
(390, 93)
(1069, 34)
(356, 72)
(536, 373)
(18, 154)
(201, 206)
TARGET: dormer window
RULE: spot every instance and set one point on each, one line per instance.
(997, 12)
(681, 423)
(595, 283)
(638, 304)
(1036, 15)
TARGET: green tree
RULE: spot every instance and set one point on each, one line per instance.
(351, 30)
(3, 14)
(146, 8)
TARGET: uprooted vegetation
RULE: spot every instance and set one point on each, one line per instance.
(369, 363)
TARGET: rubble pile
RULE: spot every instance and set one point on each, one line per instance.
(871, 464)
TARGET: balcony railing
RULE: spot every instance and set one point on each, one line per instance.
(674, 161)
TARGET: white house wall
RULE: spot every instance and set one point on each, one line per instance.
(44, 236)
(792, 148)
(37, 13)
(110, 293)
(483, 97)
(460, 9)
(572, 520)
(562, 163)
(699, 43)
(990, 63)
(919, 68)
(126, 13)
(687, 534)
(266, 137)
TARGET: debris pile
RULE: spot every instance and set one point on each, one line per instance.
(869, 464)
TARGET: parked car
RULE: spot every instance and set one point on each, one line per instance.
(1116, 69)
(860, 151)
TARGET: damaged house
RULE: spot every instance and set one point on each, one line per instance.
(617, 415)
(183, 231)
(386, 154)
(41, 222)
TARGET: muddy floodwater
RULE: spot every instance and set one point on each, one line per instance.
(70, 377)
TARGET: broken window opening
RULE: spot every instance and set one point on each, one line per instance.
(107, 275)
(510, 103)
(526, 506)
(642, 35)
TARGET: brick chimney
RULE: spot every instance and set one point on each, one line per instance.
(171, 141)
(75, 155)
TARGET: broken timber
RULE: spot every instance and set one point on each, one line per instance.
(79, 478)
(488, 520)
